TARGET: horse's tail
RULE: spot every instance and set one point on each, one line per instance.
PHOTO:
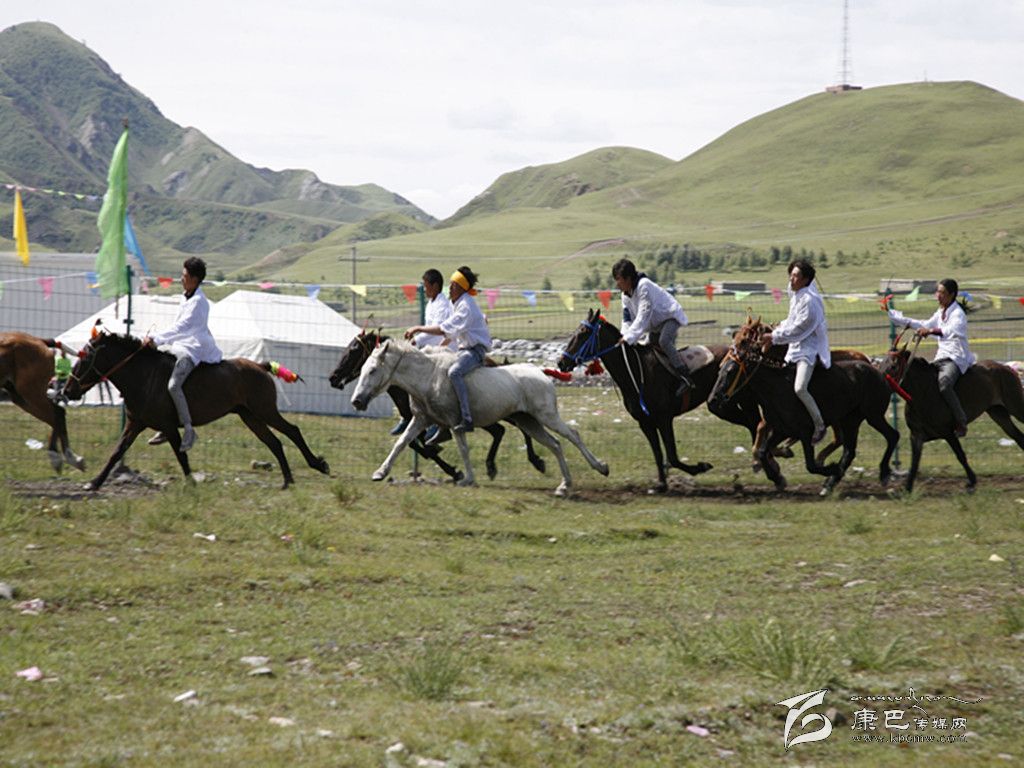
(275, 368)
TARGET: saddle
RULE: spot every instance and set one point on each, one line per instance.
(696, 357)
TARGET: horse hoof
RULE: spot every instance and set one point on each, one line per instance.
(825, 491)
(492, 472)
(603, 469)
(90, 487)
(462, 482)
(379, 475)
(78, 463)
(659, 488)
(457, 477)
(55, 460)
(780, 484)
(703, 467)
(540, 466)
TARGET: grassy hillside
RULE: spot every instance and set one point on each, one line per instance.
(61, 110)
(908, 179)
(556, 184)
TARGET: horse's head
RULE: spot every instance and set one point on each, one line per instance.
(96, 360)
(376, 373)
(355, 355)
(741, 362)
(589, 341)
(894, 364)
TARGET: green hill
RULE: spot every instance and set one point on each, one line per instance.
(61, 109)
(905, 179)
(556, 184)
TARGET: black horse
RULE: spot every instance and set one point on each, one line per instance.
(352, 359)
(648, 389)
(986, 387)
(848, 394)
(141, 374)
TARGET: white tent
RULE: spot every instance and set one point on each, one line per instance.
(302, 334)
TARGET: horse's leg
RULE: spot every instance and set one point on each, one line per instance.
(916, 447)
(551, 420)
(416, 426)
(828, 450)
(460, 440)
(274, 419)
(433, 453)
(771, 466)
(668, 436)
(892, 437)
(41, 408)
(258, 428)
(533, 427)
(131, 431)
(496, 431)
(850, 431)
(1001, 416)
(958, 450)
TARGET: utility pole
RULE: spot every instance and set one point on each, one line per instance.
(354, 294)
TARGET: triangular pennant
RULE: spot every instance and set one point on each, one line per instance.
(312, 291)
(266, 285)
(165, 282)
(568, 300)
(492, 297)
(358, 289)
(912, 296)
(410, 292)
(46, 283)
(776, 295)
(531, 298)
(709, 291)
(605, 298)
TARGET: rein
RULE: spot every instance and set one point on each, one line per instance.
(589, 351)
(103, 377)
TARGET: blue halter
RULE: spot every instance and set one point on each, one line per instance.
(589, 351)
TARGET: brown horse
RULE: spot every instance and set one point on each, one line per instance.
(347, 370)
(26, 367)
(141, 373)
(848, 393)
(987, 387)
(648, 389)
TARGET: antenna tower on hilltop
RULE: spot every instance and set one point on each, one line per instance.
(845, 70)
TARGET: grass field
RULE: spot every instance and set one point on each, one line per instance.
(498, 625)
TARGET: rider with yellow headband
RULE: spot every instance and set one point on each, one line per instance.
(466, 327)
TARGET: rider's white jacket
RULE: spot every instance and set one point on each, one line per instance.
(804, 329)
(952, 322)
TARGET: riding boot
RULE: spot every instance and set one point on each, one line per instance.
(399, 428)
(158, 439)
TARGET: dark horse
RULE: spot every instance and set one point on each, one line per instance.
(141, 373)
(848, 393)
(648, 389)
(347, 371)
(26, 367)
(987, 387)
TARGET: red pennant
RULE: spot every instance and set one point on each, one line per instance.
(776, 295)
(410, 292)
(1021, 300)
(709, 291)
(165, 282)
(46, 283)
(605, 297)
(266, 285)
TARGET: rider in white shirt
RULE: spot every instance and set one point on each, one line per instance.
(467, 329)
(806, 333)
(437, 310)
(953, 357)
(190, 341)
(649, 308)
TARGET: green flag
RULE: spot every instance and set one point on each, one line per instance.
(110, 263)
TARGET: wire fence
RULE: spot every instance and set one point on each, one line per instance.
(306, 327)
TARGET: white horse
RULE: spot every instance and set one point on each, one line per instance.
(520, 393)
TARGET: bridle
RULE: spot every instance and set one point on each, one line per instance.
(367, 351)
(88, 355)
(590, 350)
(748, 363)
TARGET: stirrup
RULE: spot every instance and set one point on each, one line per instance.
(158, 439)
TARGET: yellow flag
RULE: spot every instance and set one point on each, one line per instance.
(568, 299)
(360, 289)
(20, 229)
(997, 302)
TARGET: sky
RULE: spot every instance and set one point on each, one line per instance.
(435, 100)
